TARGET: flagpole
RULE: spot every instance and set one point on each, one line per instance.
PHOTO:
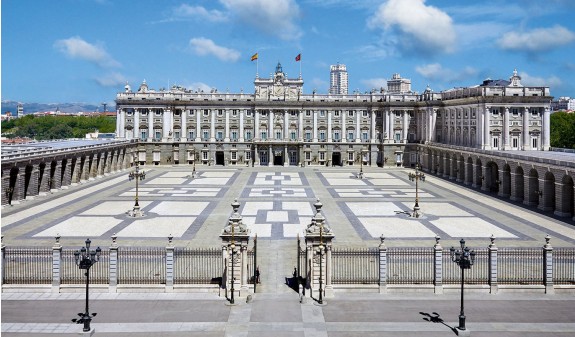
(257, 64)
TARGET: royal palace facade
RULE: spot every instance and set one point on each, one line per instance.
(278, 124)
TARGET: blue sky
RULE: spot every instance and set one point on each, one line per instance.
(86, 50)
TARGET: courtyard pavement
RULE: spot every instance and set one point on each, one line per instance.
(277, 204)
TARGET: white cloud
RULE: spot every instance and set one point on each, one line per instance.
(374, 83)
(77, 48)
(185, 11)
(203, 47)
(537, 40)
(421, 28)
(111, 79)
(199, 86)
(271, 17)
(436, 72)
(528, 80)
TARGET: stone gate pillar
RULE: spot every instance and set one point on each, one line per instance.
(235, 238)
(318, 241)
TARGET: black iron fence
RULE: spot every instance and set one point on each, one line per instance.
(355, 265)
(142, 265)
(71, 274)
(410, 265)
(520, 266)
(564, 266)
(198, 266)
(478, 274)
(27, 265)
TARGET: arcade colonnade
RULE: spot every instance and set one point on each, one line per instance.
(27, 177)
(546, 185)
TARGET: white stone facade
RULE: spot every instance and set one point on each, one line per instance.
(280, 125)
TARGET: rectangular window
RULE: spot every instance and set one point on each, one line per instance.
(534, 143)
(350, 113)
(249, 113)
(158, 135)
(177, 134)
(364, 113)
(350, 135)
(350, 156)
(206, 135)
(248, 135)
(278, 134)
(264, 135)
(364, 136)
(234, 113)
(322, 156)
(495, 142)
(322, 113)
(308, 113)
(293, 113)
(234, 155)
(248, 155)
(307, 155)
(143, 135)
(220, 113)
(206, 113)
(336, 113)
(219, 135)
(322, 135)
(191, 112)
(191, 135)
(205, 155)
(515, 142)
(336, 136)
(398, 136)
(234, 135)
(308, 135)
(293, 135)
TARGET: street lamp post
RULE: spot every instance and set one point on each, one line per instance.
(137, 175)
(86, 258)
(464, 258)
(418, 175)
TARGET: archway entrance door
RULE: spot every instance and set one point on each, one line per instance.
(336, 158)
(220, 158)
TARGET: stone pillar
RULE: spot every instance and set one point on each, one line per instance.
(75, 176)
(67, 175)
(548, 266)
(546, 132)
(493, 266)
(525, 130)
(372, 129)
(184, 125)
(405, 126)
(198, 125)
(329, 129)
(485, 184)
(56, 177)
(286, 125)
(113, 265)
(314, 137)
(513, 192)
(257, 126)
(213, 126)
(506, 145)
(56, 262)
(387, 127)
(227, 125)
(241, 131)
(235, 238)
(382, 266)
(486, 144)
(438, 266)
(33, 188)
(474, 176)
(170, 265)
(318, 241)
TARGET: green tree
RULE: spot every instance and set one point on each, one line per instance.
(57, 127)
(563, 130)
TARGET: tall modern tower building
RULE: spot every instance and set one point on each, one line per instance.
(338, 79)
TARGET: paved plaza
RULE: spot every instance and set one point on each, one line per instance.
(277, 204)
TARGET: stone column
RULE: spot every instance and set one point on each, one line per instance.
(150, 125)
(548, 266)
(438, 266)
(57, 177)
(300, 126)
(506, 145)
(493, 266)
(485, 179)
(343, 128)
(119, 118)
(67, 175)
(184, 125)
(382, 266)
(56, 262)
(137, 124)
(525, 130)
(235, 238)
(314, 137)
(170, 265)
(257, 127)
(271, 125)
(357, 126)
(199, 125)
(213, 126)
(241, 131)
(387, 127)
(33, 188)
(405, 126)
(546, 132)
(486, 144)
(318, 240)
(113, 265)
(513, 192)
(286, 125)
(373, 115)
(329, 130)
(227, 129)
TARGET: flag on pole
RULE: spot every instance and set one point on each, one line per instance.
(255, 56)
(298, 57)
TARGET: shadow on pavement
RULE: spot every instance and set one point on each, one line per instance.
(434, 318)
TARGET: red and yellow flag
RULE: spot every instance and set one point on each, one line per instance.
(255, 56)
(298, 57)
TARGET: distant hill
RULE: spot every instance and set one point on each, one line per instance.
(64, 107)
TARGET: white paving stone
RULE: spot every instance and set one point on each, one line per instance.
(396, 228)
(261, 230)
(277, 216)
(292, 230)
(302, 207)
(82, 226)
(180, 208)
(209, 181)
(388, 182)
(166, 181)
(251, 208)
(346, 182)
(157, 227)
(113, 207)
(440, 209)
(373, 208)
(470, 227)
